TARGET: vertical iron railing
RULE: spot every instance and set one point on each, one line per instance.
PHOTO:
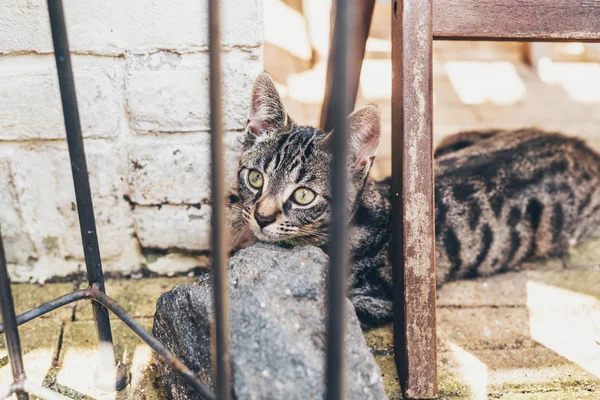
(113, 375)
(338, 113)
(13, 342)
(219, 243)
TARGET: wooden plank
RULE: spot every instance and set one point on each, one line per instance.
(412, 247)
(519, 20)
(360, 14)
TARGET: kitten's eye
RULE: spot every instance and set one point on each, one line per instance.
(304, 196)
(255, 179)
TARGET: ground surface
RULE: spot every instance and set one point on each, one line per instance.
(532, 334)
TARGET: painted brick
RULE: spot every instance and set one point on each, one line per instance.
(168, 92)
(30, 100)
(43, 181)
(169, 226)
(176, 169)
(17, 244)
(119, 26)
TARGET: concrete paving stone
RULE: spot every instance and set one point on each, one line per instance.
(391, 383)
(581, 281)
(494, 373)
(138, 297)
(381, 340)
(28, 296)
(586, 255)
(538, 357)
(39, 345)
(573, 394)
(540, 382)
(495, 291)
(481, 51)
(449, 385)
(444, 94)
(381, 343)
(73, 375)
(485, 328)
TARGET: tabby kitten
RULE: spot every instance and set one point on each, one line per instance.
(500, 196)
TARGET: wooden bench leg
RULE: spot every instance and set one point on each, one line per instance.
(360, 13)
(413, 238)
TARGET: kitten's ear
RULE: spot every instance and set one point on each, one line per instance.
(364, 127)
(267, 113)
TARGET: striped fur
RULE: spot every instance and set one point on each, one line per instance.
(501, 197)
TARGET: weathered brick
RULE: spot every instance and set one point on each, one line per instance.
(43, 181)
(17, 244)
(168, 92)
(176, 169)
(119, 26)
(30, 100)
(170, 226)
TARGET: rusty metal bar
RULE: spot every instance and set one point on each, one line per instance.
(360, 16)
(220, 233)
(412, 249)
(516, 20)
(338, 110)
(13, 342)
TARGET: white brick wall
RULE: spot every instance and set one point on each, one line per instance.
(141, 73)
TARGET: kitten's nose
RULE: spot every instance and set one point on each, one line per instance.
(264, 220)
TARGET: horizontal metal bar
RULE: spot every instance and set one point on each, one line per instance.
(516, 20)
(157, 346)
(42, 392)
(50, 306)
(7, 391)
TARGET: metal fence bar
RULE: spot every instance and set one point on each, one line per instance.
(42, 392)
(220, 233)
(83, 194)
(339, 109)
(7, 309)
(156, 345)
(49, 306)
(360, 14)
(413, 238)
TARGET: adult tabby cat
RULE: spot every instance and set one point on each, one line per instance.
(500, 196)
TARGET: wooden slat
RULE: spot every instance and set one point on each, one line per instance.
(520, 20)
(412, 247)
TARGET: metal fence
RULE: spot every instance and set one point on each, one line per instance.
(112, 375)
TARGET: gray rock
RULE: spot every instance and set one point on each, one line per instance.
(277, 329)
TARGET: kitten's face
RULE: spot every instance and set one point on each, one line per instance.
(284, 172)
